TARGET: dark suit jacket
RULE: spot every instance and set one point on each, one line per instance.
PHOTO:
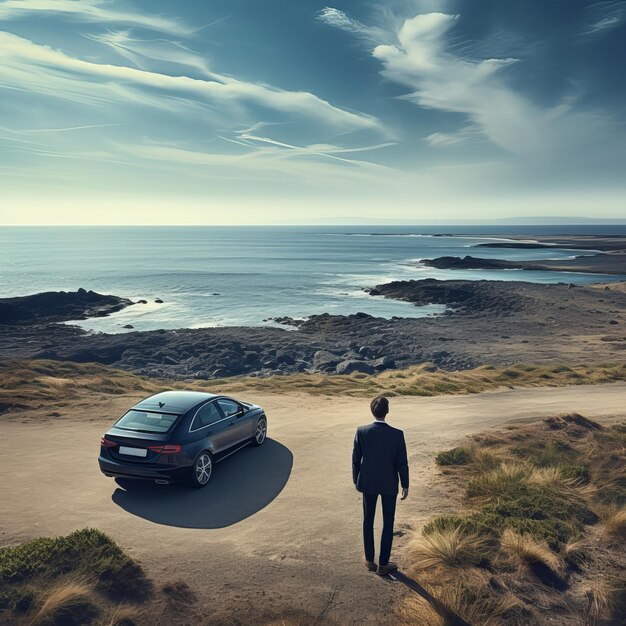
(379, 458)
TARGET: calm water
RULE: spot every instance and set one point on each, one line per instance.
(258, 272)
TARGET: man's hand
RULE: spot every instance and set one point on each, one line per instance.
(405, 493)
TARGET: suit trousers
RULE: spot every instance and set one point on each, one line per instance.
(369, 511)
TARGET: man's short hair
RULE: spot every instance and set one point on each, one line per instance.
(380, 407)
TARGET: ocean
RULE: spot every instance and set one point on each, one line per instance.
(232, 276)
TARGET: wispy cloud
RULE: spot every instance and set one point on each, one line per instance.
(445, 140)
(266, 158)
(102, 11)
(42, 69)
(141, 52)
(423, 60)
(441, 80)
(68, 128)
(339, 19)
(328, 151)
(604, 16)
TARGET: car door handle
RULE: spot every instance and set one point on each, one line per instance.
(231, 423)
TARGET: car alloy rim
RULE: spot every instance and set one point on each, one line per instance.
(203, 469)
(260, 431)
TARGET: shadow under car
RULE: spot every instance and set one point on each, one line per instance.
(240, 486)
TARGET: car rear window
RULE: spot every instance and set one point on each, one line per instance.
(146, 421)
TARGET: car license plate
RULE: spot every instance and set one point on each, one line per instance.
(133, 451)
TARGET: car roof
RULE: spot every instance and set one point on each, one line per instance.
(174, 401)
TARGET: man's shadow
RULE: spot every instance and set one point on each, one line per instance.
(241, 485)
(450, 618)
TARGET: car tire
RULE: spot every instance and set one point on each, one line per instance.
(202, 470)
(260, 433)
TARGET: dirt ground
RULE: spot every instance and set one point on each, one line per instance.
(278, 528)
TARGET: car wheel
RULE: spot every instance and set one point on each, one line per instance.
(202, 469)
(260, 433)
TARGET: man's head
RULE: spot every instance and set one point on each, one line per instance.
(380, 407)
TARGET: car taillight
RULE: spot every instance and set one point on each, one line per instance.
(169, 449)
(107, 443)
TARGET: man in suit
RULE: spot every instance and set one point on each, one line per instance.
(378, 460)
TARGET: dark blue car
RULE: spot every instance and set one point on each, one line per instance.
(178, 436)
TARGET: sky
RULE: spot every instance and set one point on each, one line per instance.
(283, 111)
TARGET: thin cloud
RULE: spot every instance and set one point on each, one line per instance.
(261, 160)
(68, 128)
(140, 52)
(338, 19)
(604, 16)
(92, 11)
(328, 151)
(445, 140)
(42, 69)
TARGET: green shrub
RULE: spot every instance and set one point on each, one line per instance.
(505, 480)
(510, 374)
(456, 456)
(16, 599)
(492, 519)
(578, 473)
(543, 454)
(444, 523)
(8, 597)
(511, 503)
(536, 513)
(444, 387)
(87, 551)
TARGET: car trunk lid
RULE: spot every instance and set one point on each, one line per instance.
(133, 446)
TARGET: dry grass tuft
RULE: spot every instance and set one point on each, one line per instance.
(456, 603)
(499, 481)
(521, 549)
(603, 599)
(615, 523)
(486, 460)
(123, 615)
(70, 603)
(576, 553)
(551, 478)
(448, 547)
(480, 458)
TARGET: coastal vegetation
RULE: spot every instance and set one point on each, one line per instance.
(86, 579)
(81, 578)
(26, 384)
(538, 534)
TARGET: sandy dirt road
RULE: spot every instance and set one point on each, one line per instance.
(278, 528)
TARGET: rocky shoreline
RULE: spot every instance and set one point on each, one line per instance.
(605, 254)
(592, 264)
(486, 322)
(58, 306)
